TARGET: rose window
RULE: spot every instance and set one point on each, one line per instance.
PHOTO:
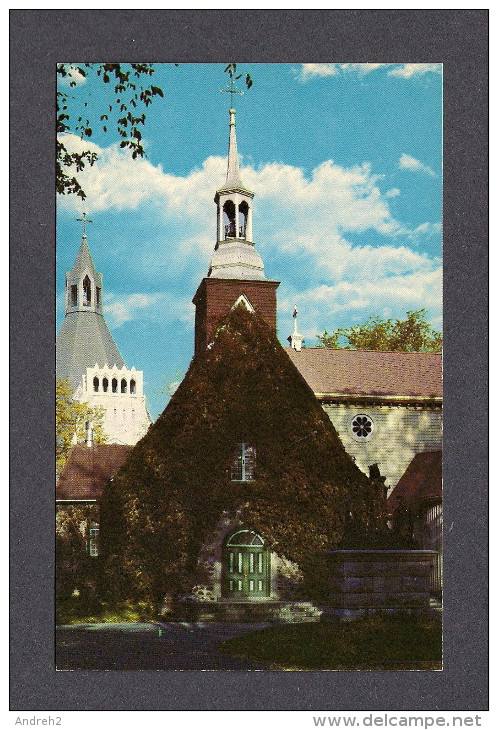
(361, 427)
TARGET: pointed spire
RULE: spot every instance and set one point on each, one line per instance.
(233, 176)
(83, 260)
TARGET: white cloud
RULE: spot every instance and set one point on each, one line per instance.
(310, 70)
(407, 70)
(159, 306)
(74, 76)
(348, 302)
(303, 220)
(406, 162)
(120, 309)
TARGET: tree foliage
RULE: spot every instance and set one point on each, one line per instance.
(70, 419)
(411, 334)
(131, 91)
(130, 94)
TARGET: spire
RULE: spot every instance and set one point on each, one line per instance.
(233, 176)
(295, 339)
(84, 338)
(83, 261)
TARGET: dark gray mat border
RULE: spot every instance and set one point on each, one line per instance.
(40, 38)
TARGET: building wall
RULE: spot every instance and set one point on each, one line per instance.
(215, 297)
(126, 418)
(399, 432)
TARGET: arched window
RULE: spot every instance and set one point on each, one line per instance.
(98, 295)
(114, 385)
(96, 384)
(229, 219)
(243, 465)
(105, 385)
(246, 565)
(123, 385)
(74, 295)
(87, 292)
(243, 214)
(133, 387)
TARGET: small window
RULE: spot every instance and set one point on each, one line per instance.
(114, 385)
(87, 292)
(96, 385)
(74, 295)
(97, 295)
(133, 387)
(362, 427)
(124, 385)
(93, 540)
(105, 385)
(243, 463)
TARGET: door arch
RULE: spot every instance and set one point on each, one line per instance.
(246, 565)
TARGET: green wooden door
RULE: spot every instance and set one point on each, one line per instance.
(246, 566)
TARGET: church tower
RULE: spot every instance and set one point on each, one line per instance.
(235, 274)
(88, 357)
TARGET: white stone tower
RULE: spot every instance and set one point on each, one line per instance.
(88, 357)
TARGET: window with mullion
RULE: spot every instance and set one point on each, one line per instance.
(243, 463)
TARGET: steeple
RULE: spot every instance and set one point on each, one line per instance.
(235, 276)
(234, 255)
(84, 339)
(233, 180)
(88, 357)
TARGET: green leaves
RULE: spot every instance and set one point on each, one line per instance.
(70, 418)
(128, 95)
(412, 334)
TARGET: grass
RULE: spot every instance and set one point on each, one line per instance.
(74, 611)
(377, 642)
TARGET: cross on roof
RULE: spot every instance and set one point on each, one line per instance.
(231, 90)
(84, 220)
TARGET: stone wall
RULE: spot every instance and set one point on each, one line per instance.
(361, 581)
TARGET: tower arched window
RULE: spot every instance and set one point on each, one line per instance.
(229, 219)
(74, 295)
(243, 216)
(105, 385)
(96, 384)
(87, 292)
(133, 387)
(114, 385)
(124, 385)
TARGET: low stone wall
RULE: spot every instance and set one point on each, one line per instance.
(361, 581)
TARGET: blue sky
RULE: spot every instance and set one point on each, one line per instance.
(345, 163)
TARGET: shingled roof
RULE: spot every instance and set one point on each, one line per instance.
(88, 469)
(340, 372)
(422, 481)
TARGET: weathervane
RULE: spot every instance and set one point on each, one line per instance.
(84, 220)
(231, 90)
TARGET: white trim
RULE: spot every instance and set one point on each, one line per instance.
(245, 301)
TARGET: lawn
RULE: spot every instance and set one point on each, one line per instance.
(377, 642)
(76, 611)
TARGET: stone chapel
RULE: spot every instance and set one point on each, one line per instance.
(263, 453)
